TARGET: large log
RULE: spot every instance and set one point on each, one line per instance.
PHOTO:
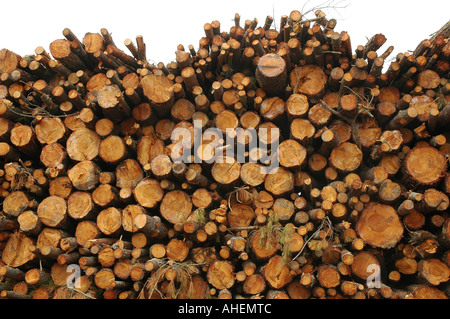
(271, 73)
(137, 175)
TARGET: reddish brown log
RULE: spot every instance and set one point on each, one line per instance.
(309, 80)
(176, 206)
(424, 166)
(346, 157)
(271, 73)
(379, 226)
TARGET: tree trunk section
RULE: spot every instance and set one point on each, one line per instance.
(271, 73)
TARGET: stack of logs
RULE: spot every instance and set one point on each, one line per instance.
(96, 204)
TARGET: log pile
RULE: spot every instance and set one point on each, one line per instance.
(117, 183)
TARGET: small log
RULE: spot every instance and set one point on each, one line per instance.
(30, 223)
(17, 251)
(52, 211)
(297, 105)
(151, 226)
(182, 110)
(105, 279)
(148, 192)
(105, 255)
(177, 250)
(389, 191)
(11, 272)
(50, 130)
(226, 170)
(128, 174)
(302, 130)
(24, 138)
(276, 272)
(84, 175)
(309, 80)
(112, 150)
(328, 276)
(254, 284)
(253, 174)
(263, 247)
(220, 274)
(346, 157)
(291, 154)
(361, 262)
(61, 50)
(272, 109)
(109, 221)
(240, 215)
(82, 145)
(105, 195)
(16, 203)
(129, 214)
(161, 166)
(279, 181)
(112, 103)
(433, 270)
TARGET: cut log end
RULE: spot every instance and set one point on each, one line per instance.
(271, 73)
(309, 80)
(346, 157)
(425, 166)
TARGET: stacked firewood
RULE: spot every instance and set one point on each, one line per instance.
(119, 180)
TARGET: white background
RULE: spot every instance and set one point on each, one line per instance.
(27, 24)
